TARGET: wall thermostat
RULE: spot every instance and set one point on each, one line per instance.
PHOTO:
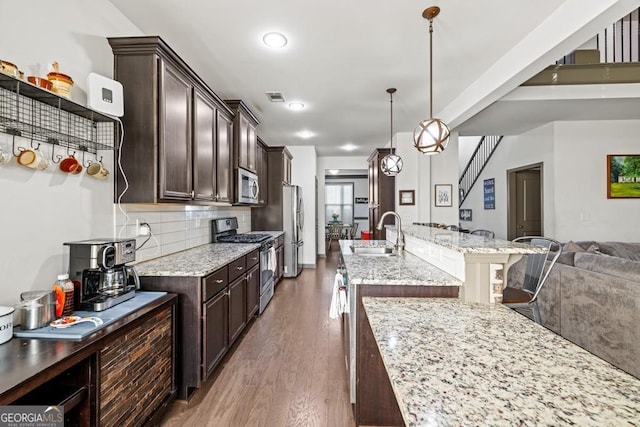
(105, 95)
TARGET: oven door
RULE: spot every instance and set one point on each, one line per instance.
(247, 188)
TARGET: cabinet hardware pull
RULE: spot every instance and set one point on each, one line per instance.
(193, 193)
(238, 268)
(219, 281)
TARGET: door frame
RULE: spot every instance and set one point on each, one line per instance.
(511, 197)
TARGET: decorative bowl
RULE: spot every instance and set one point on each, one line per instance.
(40, 82)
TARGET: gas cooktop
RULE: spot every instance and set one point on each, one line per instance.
(244, 238)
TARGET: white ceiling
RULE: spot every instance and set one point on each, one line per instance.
(343, 55)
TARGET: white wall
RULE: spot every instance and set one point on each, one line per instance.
(42, 210)
(323, 164)
(408, 178)
(583, 211)
(303, 173)
(575, 202)
(444, 170)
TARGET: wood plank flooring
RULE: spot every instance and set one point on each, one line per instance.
(287, 370)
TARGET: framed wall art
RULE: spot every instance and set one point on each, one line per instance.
(407, 197)
(443, 195)
(465, 215)
(490, 193)
(623, 176)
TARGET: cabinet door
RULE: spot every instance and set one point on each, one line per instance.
(242, 137)
(203, 147)
(253, 291)
(252, 147)
(224, 167)
(237, 307)
(280, 262)
(214, 333)
(175, 134)
(263, 175)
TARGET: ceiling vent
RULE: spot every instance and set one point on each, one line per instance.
(275, 96)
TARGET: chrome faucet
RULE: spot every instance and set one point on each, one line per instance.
(399, 233)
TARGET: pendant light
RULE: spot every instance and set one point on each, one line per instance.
(391, 164)
(431, 136)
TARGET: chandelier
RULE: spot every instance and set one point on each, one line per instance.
(431, 136)
(391, 164)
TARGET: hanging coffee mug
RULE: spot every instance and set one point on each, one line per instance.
(33, 159)
(70, 165)
(97, 171)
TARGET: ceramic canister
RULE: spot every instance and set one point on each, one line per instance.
(6, 323)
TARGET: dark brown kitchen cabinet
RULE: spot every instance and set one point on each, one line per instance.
(177, 131)
(237, 308)
(279, 261)
(245, 137)
(269, 217)
(253, 291)
(381, 193)
(224, 147)
(216, 327)
(262, 172)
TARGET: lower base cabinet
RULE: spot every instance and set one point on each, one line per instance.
(136, 372)
(213, 313)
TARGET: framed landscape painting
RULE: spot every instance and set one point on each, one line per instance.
(623, 176)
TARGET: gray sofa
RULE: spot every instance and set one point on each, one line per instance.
(592, 298)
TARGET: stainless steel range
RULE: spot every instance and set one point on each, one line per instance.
(225, 230)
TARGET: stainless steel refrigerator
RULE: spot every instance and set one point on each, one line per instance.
(293, 226)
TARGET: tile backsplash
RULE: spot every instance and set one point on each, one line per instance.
(174, 228)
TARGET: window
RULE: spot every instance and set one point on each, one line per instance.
(339, 201)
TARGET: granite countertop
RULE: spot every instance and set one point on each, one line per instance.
(401, 269)
(452, 363)
(464, 242)
(201, 260)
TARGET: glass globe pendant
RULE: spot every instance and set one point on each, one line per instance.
(431, 136)
(391, 164)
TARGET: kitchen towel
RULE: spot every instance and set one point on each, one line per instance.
(272, 263)
(339, 302)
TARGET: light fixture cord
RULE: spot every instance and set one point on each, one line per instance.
(391, 136)
(431, 68)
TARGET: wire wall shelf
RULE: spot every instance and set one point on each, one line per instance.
(37, 114)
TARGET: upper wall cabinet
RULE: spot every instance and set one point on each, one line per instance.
(245, 141)
(177, 131)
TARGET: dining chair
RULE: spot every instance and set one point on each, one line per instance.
(485, 233)
(333, 232)
(536, 272)
(354, 231)
(452, 227)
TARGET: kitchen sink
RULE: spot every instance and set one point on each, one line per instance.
(370, 250)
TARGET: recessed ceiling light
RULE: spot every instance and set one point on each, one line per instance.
(349, 147)
(296, 106)
(306, 134)
(276, 40)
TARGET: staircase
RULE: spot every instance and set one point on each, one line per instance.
(477, 162)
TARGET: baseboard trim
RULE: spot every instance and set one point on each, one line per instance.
(308, 266)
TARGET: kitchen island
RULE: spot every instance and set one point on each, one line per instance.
(452, 363)
(467, 257)
(398, 275)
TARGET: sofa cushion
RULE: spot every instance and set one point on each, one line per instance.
(614, 266)
(621, 250)
(572, 246)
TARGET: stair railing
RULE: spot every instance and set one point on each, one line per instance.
(483, 152)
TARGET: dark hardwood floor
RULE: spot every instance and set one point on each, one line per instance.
(287, 370)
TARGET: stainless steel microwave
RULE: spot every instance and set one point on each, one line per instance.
(247, 188)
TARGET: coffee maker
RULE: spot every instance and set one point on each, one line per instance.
(99, 272)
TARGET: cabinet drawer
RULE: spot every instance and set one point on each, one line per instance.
(214, 283)
(237, 268)
(253, 258)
